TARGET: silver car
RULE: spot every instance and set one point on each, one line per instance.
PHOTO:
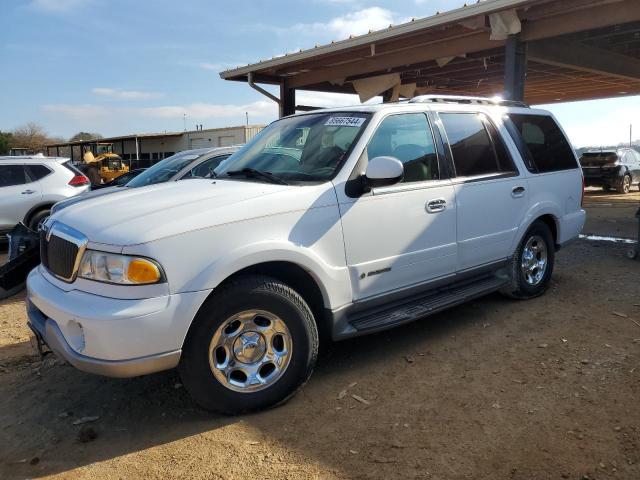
(199, 163)
(30, 185)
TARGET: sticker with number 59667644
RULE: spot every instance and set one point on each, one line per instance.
(345, 121)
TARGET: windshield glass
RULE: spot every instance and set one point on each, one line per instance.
(165, 169)
(305, 148)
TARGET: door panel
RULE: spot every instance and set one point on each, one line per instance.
(392, 242)
(489, 214)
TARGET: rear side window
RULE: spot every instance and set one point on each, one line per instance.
(547, 147)
(36, 172)
(69, 166)
(12, 175)
(476, 146)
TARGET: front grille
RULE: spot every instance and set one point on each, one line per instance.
(58, 254)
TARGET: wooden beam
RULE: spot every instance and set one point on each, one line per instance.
(604, 15)
(444, 48)
(584, 58)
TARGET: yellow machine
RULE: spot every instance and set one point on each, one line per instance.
(111, 165)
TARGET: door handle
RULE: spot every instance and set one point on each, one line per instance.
(517, 192)
(437, 205)
(28, 192)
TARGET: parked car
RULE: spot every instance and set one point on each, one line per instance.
(617, 169)
(328, 224)
(120, 181)
(188, 164)
(30, 185)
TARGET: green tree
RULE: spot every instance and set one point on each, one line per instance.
(85, 136)
(5, 143)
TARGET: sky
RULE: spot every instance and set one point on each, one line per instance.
(123, 66)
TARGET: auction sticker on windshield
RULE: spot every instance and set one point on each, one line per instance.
(345, 122)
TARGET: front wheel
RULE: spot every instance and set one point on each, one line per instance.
(253, 344)
(532, 264)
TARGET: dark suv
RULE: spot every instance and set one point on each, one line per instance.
(619, 169)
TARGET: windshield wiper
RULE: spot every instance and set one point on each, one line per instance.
(253, 173)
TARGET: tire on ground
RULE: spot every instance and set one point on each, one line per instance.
(247, 293)
(518, 287)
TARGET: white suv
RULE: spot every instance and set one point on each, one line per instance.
(29, 186)
(328, 224)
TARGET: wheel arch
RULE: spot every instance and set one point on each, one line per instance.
(35, 209)
(549, 214)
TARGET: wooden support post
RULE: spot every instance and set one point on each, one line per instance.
(287, 99)
(515, 68)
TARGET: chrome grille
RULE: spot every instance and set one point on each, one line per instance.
(61, 250)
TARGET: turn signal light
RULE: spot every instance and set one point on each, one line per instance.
(143, 271)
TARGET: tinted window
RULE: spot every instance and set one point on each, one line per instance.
(36, 172)
(12, 175)
(206, 168)
(546, 144)
(473, 149)
(408, 138)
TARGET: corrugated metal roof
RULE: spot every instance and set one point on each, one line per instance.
(440, 19)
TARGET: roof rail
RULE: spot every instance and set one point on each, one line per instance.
(467, 100)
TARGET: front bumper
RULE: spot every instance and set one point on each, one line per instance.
(47, 331)
(110, 336)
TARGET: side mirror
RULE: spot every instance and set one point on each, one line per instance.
(384, 171)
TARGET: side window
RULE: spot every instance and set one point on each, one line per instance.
(206, 168)
(475, 150)
(12, 175)
(548, 147)
(36, 172)
(408, 138)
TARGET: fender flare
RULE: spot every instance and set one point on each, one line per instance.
(535, 212)
(334, 282)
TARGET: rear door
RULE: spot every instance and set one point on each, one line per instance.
(17, 194)
(491, 193)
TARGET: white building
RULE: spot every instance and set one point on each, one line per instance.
(145, 149)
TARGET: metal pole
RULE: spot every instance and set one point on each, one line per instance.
(515, 68)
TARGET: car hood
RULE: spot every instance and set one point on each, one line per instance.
(141, 215)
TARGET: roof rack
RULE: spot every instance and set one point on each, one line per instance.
(467, 100)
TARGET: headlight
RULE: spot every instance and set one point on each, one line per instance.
(119, 269)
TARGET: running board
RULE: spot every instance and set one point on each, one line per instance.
(410, 309)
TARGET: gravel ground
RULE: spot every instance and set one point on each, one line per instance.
(493, 389)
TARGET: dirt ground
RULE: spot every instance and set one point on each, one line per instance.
(493, 389)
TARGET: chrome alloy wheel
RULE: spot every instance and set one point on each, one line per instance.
(250, 351)
(534, 260)
(626, 184)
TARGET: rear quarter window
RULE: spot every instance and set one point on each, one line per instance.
(546, 147)
(36, 172)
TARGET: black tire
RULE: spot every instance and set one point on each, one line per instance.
(518, 287)
(247, 293)
(37, 218)
(625, 185)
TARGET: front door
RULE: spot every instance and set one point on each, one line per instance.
(491, 193)
(402, 235)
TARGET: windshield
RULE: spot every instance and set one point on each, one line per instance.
(304, 148)
(164, 170)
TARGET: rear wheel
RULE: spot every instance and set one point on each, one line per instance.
(532, 264)
(252, 346)
(38, 219)
(625, 185)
